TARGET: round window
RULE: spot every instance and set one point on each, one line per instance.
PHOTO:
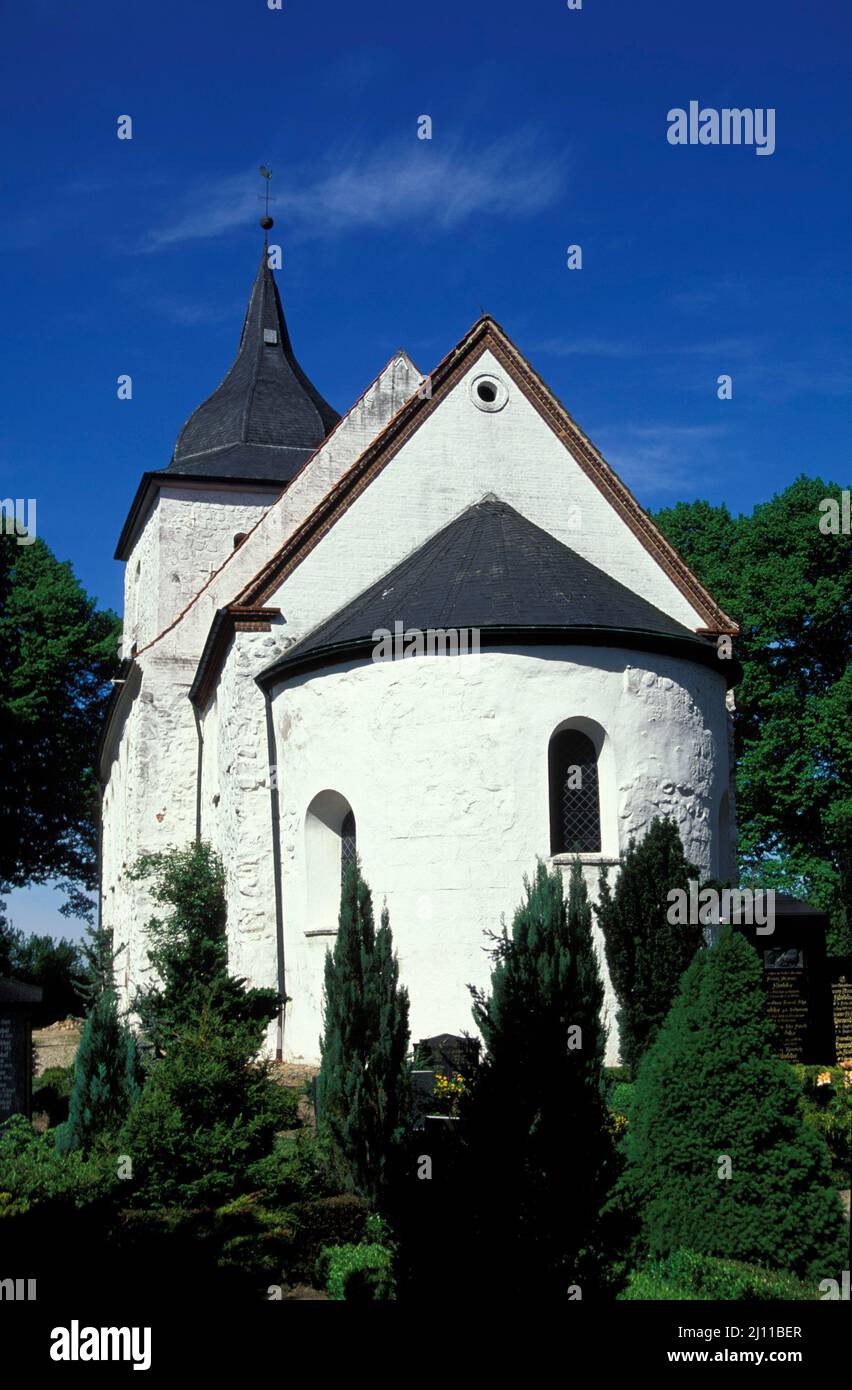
(488, 393)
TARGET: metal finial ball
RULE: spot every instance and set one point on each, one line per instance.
(266, 223)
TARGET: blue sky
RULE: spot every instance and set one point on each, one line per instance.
(549, 129)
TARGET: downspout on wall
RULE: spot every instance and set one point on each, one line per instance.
(276, 870)
(199, 766)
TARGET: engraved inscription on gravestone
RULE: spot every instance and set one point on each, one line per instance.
(16, 1004)
(8, 1090)
(787, 1000)
(841, 1004)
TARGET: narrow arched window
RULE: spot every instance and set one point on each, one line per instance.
(348, 852)
(575, 812)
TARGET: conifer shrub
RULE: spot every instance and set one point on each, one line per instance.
(646, 954)
(208, 1109)
(363, 1088)
(298, 1169)
(107, 1078)
(542, 1154)
(710, 1088)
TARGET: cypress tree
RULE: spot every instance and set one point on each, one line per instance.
(710, 1088)
(363, 1089)
(541, 1143)
(646, 954)
(106, 1078)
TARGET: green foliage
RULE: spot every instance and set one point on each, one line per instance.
(359, 1273)
(53, 965)
(97, 962)
(789, 587)
(687, 1274)
(32, 1173)
(206, 1114)
(321, 1222)
(189, 951)
(543, 1159)
(107, 1078)
(51, 1092)
(298, 1169)
(711, 1085)
(57, 655)
(363, 1090)
(646, 953)
(208, 1110)
(827, 1109)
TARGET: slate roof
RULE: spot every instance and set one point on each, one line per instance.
(266, 417)
(494, 570)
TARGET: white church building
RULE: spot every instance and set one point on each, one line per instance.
(574, 689)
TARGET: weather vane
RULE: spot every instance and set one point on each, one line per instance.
(266, 221)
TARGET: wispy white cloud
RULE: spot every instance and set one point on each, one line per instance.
(425, 183)
(660, 460)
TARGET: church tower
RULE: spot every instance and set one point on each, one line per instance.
(236, 453)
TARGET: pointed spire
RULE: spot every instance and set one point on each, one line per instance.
(266, 417)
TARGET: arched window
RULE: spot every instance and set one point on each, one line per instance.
(329, 849)
(348, 852)
(575, 812)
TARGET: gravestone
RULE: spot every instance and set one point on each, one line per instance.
(422, 1095)
(840, 979)
(795, 978)
(17, 1001)
(449, 1053)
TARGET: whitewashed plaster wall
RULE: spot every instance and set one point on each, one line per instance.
(187, 534)
(149, 802)
(236, 810)
(444, 763)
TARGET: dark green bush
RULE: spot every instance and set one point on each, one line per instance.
(205, 1116)
(31, 1171)
(50, 1093)
(298, 1169)
(711, 1088)
(323, 1221)
(686, 1274)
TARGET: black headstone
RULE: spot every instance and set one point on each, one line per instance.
(840, 980)
(17, 1001)
(795, 977)
(449, 1052)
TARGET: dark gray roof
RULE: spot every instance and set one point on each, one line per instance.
(266, 418)
(494, 570)
(16, 992)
